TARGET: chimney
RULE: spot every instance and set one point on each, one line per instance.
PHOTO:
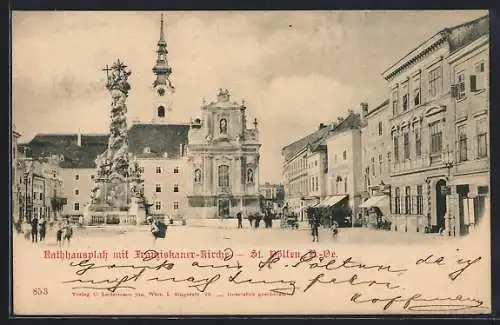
(79, 138)
(321, 125)
(364, 110)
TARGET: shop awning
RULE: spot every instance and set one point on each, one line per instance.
(330, 201)
(376, 201)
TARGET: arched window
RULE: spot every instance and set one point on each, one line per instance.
(223, 175)
(161, 111)
(197, 175)
(250, 175)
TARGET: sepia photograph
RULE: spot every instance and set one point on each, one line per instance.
(182, 163)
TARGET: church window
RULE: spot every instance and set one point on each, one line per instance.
(176, 188)
(250, 176)
(158, 170)
(223, 175)
(197, 175)
(176, 170)
(158, 188)
(161, 111)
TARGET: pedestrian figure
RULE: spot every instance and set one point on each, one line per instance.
(238, 216)
(335, 229)
(59, 233)
(34, 229)
(250, 220)
(42, 228)
(26, 230)
(314, 227)
(158, 228)
(80, 222)
(258, 217)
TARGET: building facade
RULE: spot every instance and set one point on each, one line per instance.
(303, 171)
(470, 177)
(344, 177)
(422, 130)
(16, 172)
(223, 160)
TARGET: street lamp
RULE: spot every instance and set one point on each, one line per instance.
(449, 163)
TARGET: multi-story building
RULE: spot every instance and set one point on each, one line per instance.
(305, 162)
(223, 157)
(16, 172)
(469, 66)
(271, 196)
(344, 175)
(375, 140)
(422, 129)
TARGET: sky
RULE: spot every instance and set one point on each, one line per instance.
(293, 69)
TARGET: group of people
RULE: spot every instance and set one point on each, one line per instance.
(255, 219)
(315, 223)
(36, 229)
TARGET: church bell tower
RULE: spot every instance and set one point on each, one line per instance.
(162, 86)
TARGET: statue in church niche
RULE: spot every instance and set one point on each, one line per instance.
(197, 175)
(223, 126)
(250, 176)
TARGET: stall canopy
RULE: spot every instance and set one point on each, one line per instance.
(330, 201)
(376, 201)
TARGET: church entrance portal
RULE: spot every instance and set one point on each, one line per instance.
(223, 208)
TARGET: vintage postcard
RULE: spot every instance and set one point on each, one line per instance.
(250, 163)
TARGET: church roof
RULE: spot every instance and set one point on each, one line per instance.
(160, 138)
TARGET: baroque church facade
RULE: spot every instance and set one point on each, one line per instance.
(223, 161)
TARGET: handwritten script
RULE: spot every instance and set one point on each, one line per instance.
(375, 284)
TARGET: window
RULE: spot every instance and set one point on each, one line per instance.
(397, 201)
(395, 102)
(315, 163)
(396, 148)
(176, 187)
(380, 128)
(157, 205)
(176, 170)
(416, 96)
(158, 169)
(406, 145)
(161, 111)
(373, 166)
(418, 143)
(344, 155)
(92, 176)
(312, 183)
(77, 207)
(77, 177)
(223, 175)
(420, 200)
(146, 150)
(77, 192)
(317, 183)
(380, 163)
(460, 85)
(405, 102)
(436, 137)
(482, 138)
(407, 200)
(434, 81)
(176, 205)
(158, 188)
(478, 80)
(462, 143)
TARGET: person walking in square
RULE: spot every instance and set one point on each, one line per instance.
(238, 216)
(34, 229)
(315, 223)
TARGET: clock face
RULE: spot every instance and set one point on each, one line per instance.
(161, 91)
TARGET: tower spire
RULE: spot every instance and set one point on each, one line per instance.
(162, 37)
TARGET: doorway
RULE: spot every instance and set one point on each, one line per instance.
(223, 208)
(440, 205)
